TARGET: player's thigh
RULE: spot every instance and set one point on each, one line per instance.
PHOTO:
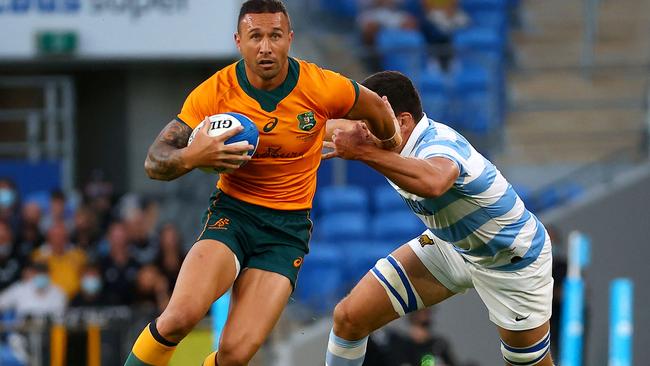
(536, 340)
(257, 301)
(369, 306)
(431, 291)
(208, 271)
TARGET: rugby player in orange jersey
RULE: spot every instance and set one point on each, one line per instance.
(256, 229)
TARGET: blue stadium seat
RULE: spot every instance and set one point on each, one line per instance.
(335, 227)
(342, 8)
(433, 87)
(319, 283)
(339, 199)
(472, 6)
(386, 199)
(402, 50)
(482, 42)
(360, 174)
(477, 101)
(361, 256)
(396, 227)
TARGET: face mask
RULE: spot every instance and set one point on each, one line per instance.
(91, 285)
(41, 281)
(5, 249)
(7, 197)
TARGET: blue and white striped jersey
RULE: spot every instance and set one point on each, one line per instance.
(481, 215)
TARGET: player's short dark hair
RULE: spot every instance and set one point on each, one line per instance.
(262, 7)
(399, 90)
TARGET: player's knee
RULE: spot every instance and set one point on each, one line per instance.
(237, 351)
(178, 323)
(346, 324)
(526, 356)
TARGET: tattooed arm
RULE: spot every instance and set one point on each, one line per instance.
(169, 156)
(165, 158)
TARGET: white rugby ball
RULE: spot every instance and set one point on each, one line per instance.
(223, 122)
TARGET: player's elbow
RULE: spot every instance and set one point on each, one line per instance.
(150, 167)
(431, 189)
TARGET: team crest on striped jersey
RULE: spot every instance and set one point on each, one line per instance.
(306, 120)
(425, 240)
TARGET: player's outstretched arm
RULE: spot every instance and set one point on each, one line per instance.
(170, 157)
(379, 117)
(424, 177)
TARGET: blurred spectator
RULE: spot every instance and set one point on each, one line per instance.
(144, 250)
(119, 270)
(64, 260)
(170, 256)
(9, 203)
(57, 212)
(98, 194)
(34, 295)
(91, 289)
(86, 231)
(10, 266)
(29, 236)
(445, 15)
(378, 14)
(419, 346)
(152, 290)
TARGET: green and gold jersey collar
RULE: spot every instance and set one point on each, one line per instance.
(269, 100)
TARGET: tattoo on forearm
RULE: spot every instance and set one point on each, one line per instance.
(164, 160)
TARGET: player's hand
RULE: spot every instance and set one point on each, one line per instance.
(208, 151)
(351, 143)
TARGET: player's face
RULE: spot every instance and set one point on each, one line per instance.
(264, 41)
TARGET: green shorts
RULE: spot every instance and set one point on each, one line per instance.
(261, 237)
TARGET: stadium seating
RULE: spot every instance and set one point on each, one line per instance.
(395, 227)
(386, 199)
(321, 277)
(335, 227)
(360, 256)
(342, 199)
(402, 50)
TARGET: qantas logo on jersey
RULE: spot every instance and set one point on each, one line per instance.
(306, 120)
(276, 152)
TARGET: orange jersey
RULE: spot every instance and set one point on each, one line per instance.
(291, 121)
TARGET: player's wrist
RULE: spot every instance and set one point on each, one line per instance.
(187, 159)
(391, 142)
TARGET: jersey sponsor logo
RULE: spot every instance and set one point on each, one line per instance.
(306, 120)
(297, 262)
(519, 318)
(221, 224)
(425, 240)
(276, 152)
(270, 125)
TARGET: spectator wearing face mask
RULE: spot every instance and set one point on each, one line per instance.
(34, 296)
(91, 289)
(10, 266)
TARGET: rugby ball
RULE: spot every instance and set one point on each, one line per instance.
(219, 124)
